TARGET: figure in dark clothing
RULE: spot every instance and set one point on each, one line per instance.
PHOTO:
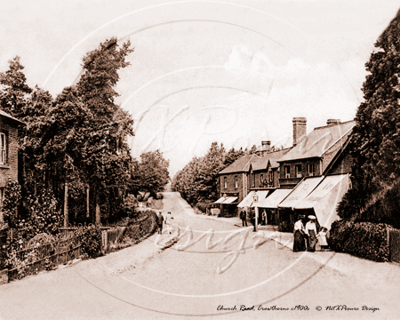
(299, 243)
(243, 217)
(311, 231)
(160, 222)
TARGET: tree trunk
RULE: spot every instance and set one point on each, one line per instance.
(66, 205)
(98, 216)
(87, 202)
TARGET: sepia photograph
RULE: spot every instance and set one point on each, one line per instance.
(199, 159)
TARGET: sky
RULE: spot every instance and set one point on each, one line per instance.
(236, 72)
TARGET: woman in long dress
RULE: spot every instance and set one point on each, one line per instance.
(311, 231)
(298, 236)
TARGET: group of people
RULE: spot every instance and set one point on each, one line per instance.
(306, 237)
(161, 221)
(262, 218)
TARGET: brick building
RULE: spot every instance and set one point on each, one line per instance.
(8, 151)
(313, 154)
(234, 183)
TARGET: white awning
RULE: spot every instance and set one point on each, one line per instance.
(325, 198)
(262, 194)
(225, 200)
(229, 200)
(247, 201)
(275, 198)
(220, 200)
(300, 192)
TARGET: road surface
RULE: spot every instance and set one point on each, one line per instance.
(213, 271)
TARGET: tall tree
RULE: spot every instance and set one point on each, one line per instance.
(15, 91)
(106, 156)
(151, 173)
(376, 141)
(198, 180)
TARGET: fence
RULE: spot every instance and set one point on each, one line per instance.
(111, 237)
(394, 245)
(38, 258)
(132, 232)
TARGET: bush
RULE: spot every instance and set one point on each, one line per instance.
(12, 197)
(361, 239)
(202, 206)
(90, 238)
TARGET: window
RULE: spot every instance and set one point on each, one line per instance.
(253, 180)
(298, 171)
(1, 197)
(261, 179)
(287, 171)
(311, 169)
(271, 177)
(236, 182)
(3, 148)
(225, 183)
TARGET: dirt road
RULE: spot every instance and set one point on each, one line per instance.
(214, 271)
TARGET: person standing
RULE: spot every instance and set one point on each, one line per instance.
(311, 231)
(169, 216)
(243, 217)
(299, 243)
(264, 217)
(160, 222)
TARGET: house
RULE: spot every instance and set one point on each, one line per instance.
(312, 154)
(318, 171)
(8, 151)
(234, 184)
(264, 171)
(250, 174)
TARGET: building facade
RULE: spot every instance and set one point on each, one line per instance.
(8, 151)
(315, 152)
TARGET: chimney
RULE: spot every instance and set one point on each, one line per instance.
(330, 122)
(266, 146)
(299, 129)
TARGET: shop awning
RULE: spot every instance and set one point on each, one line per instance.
(247, 201)
(262, 194)
(220, 200)
(300, 192)
(325, 198)
(275, 198)
(229, 200)
(226, 200)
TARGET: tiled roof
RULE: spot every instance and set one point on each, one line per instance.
(5, 114)
(257, 163)
(240, 165)
(272, 157)
(319, 141)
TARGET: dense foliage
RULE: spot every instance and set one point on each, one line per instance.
(90, 239)
(12, 198)
(198, 180)
(376, 141)
(150, 174)
(76, 140)
(363, 239)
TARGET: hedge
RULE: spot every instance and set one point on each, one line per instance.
(202, 206)
(361, 239)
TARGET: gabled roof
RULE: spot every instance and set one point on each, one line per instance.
(5, 114)
(270, 158)
(319, 141)
(240, 165)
